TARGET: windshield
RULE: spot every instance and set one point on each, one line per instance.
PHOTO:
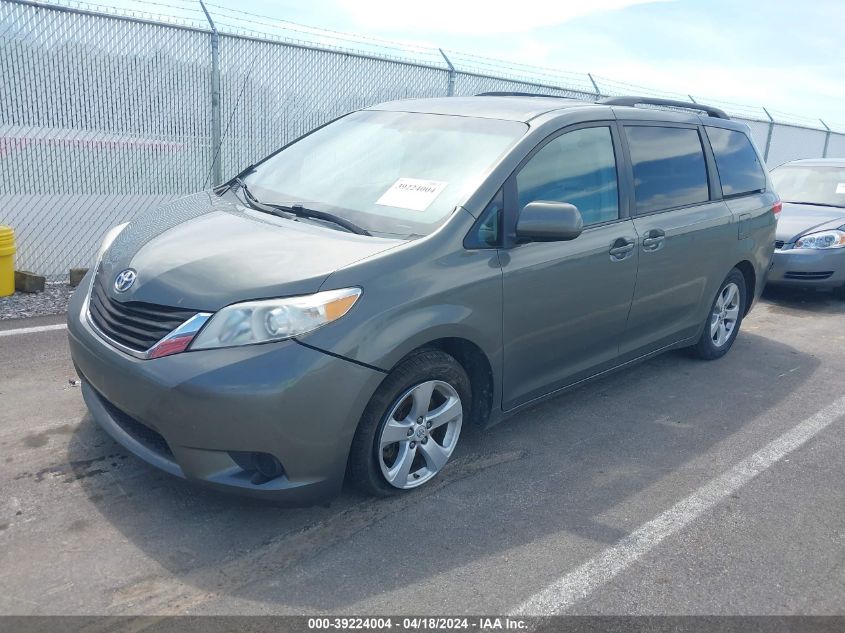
(396, 173)
(811, 185)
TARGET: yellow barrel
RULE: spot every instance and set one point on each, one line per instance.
(7, 261)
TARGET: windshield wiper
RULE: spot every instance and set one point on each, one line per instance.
(297, 210)
(304, 212)
(254, 203)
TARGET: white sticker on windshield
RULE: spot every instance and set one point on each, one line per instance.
(840, 188)
(412, 193)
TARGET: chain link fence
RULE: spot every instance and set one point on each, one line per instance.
(105, 113)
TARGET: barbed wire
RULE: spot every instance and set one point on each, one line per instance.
(319, 30)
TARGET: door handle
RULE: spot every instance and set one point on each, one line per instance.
(654, 240)
(621, 249)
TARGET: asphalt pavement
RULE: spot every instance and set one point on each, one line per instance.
(674, 487)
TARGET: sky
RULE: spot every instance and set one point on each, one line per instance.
(787, 55)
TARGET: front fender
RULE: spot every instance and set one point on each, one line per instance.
(382, 340)
(412, 297)
(418, 328)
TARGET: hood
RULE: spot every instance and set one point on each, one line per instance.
(797, 219)
(203, 252)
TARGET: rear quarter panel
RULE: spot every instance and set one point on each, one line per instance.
(756, 225)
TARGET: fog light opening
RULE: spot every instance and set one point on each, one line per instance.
(268, 465)
(263, 467)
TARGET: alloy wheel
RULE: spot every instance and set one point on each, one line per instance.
(725, 314)
(419, 434)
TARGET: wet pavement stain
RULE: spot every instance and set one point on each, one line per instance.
(73, 471)
(36, 440)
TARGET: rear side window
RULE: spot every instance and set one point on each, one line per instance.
(669, 167)
(739, 168)
(577, 167)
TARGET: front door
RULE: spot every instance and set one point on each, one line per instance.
(566, 303)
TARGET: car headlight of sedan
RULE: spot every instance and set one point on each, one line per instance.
(822, 239)
(274, 319)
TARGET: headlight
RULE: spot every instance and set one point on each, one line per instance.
(107, 241)
(274, 319)
(822, 239)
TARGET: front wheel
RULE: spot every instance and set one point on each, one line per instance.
(724, 318)
(411, 427)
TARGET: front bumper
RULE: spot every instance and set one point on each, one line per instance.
(808, 267)
(187, 413)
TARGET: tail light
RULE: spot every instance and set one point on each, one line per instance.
(776, 208)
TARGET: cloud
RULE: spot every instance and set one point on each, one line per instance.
(473, 17)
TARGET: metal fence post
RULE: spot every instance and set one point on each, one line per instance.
(216, 136)
(826, 139)
(450, 87)
(769, 137)
(595, 85)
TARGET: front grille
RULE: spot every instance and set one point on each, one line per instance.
(142, 433)
(779, 244)
(816, 276)
(134, 324)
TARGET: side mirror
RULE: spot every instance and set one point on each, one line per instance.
(543, 221)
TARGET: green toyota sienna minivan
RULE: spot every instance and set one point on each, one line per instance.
(342, 309)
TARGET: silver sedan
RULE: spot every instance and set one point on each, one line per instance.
(810, 238)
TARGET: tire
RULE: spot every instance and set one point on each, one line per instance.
(720, 330)
(393, 415)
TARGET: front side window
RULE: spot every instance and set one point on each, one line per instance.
(577, 167)
(736, 161)
(669, 167)
(488, 232)
(392, 173)
(810, 185)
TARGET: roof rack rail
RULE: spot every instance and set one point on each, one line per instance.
(672, 103)
(518, 94)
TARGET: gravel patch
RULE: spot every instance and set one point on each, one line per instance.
(30, 304)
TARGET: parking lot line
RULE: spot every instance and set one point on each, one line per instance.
(582, 581)
(33, 330)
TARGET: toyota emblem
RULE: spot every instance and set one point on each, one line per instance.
(124, 280)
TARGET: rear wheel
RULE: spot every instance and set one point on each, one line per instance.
(411, 427)
(724, 318)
